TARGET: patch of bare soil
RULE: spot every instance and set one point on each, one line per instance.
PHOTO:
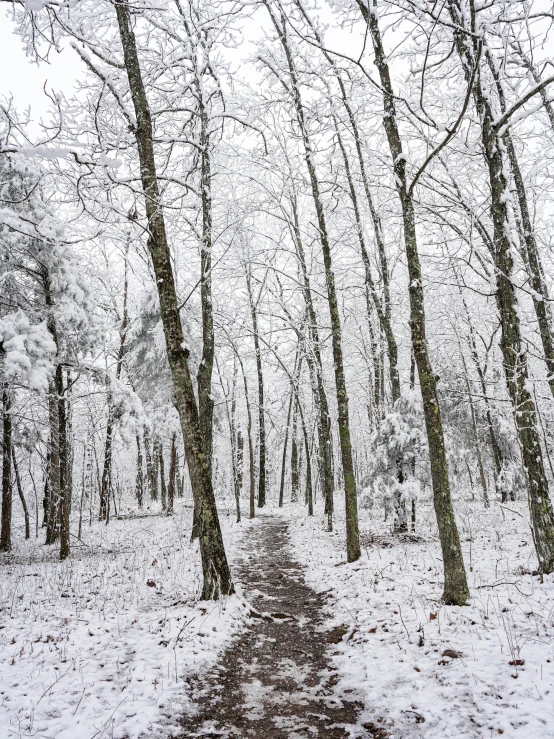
(276, 681)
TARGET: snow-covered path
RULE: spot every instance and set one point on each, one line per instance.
(276, 681)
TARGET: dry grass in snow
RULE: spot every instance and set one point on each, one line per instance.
(100, 645)
(427, 670)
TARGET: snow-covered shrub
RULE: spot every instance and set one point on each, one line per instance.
(28, 351)
(399, 444)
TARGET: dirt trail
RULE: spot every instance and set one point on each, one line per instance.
(276, 681)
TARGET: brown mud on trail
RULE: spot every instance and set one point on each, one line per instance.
(276, 681)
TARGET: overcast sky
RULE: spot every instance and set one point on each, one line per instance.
(24, 80)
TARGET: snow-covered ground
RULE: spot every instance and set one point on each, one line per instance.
(393, 656)
(100, 645)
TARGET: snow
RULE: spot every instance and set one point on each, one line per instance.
(392, 656)
(29, 350)
(102, 644)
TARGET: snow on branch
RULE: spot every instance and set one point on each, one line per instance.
(499, 123)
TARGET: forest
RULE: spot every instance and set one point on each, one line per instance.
(277, 369)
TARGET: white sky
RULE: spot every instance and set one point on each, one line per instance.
(24, 80)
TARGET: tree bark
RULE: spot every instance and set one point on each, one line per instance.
(294, 471)
(261, 411)
(531, 257)
(513, 352)
(163, 485)
(231, 415)
(252, 492)
(140, 475)
(497, 455)
(64, 456)
(384, 316)
(54, 490)
(151, 464)
(382, 306)
(108, 448)
(6, 528)
(482, 476)
(285, 448)
(217, 576)
(350, 494)
(315, 365)
(456, 591)
(240, 461)
(172, 476)
(107, 469)
(236, 450)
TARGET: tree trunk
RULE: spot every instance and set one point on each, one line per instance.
(294, 471)
(261, 411)
(155, 471)
(150, 476)
(205, 370)
(252, 493)
(53, 514)
(6, 529)
(482, 476)
(231, 414)
(513, 352)
(163, 485)
(85, 491)
(179, 480)
(46, 496)
(383, 306)
(140, 475)
(456, 590)
(236, 451)
(285, 447)
(172, 476)
(240, 461)
(384, 316)
(309, 484)
(217, 576)
(107, 469)
(531, 258)
(108, 449)
(316, 369)
(497, 455)
(350, 494)
(64, 464)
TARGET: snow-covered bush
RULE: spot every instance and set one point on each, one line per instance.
(399, 445)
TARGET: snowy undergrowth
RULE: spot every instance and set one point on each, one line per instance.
(101, 645)
(393, 654)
